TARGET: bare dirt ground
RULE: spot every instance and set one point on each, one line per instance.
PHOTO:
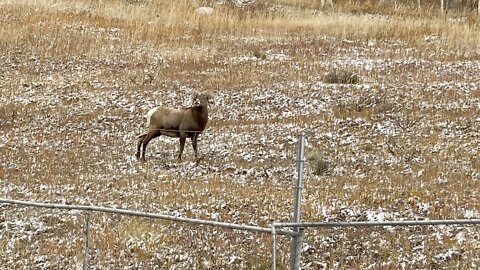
(403, 143)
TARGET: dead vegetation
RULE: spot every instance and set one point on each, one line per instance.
(400, 143)
(341, 76)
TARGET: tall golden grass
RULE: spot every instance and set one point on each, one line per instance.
(64, 27)
(115, 45)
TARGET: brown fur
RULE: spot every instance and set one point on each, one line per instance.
(179, 123)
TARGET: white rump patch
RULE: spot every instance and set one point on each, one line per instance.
(149, 115)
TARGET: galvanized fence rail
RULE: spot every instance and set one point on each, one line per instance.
(297, 227)
(149, 215)
(447, 222)
(269, 230)
(304, 225)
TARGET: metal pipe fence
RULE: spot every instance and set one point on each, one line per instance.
(303, 225)
(296, 245)
(295, 231)
(149, 215)
(275, 228)
(447, 222)
(269, 230)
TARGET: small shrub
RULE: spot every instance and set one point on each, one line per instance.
(341, 76)
(318, 164)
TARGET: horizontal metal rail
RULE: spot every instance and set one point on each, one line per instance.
(149, 215)
(379, 223)
(177, 130)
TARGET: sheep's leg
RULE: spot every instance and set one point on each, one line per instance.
(183, 137)
(194, 145)
(150, 135)
(139, 145)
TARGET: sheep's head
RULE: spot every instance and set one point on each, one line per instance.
(203, 97)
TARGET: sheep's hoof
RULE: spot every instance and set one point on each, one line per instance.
(143, 160)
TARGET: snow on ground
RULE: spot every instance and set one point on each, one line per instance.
(400, 145)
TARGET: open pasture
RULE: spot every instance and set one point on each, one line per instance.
(402, 143)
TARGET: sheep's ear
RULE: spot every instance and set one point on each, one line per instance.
(210, 96)
(195, 96)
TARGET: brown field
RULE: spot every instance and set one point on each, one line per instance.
(76, 78)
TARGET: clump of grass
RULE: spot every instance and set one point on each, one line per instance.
(341, 76)
(319, 164)
(258, 53)
(123, 54)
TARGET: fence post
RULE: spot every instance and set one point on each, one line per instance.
(274, 251)
(86, 232)
(296, 246)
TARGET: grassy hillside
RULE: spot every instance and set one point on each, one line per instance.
(402, 142)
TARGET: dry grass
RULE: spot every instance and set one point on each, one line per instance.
(76, 78)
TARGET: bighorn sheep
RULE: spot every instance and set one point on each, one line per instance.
(179, 123)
